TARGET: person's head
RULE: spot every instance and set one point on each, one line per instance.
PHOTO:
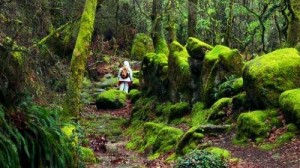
(126, 64)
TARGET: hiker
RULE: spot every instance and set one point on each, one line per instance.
(125, 77)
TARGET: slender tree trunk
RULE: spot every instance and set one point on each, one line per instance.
(229, 24)
(192, 17)
(171, 21)
(157, 34)
(293, 35)
(79, 59)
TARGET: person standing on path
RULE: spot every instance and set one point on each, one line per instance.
(125, 77)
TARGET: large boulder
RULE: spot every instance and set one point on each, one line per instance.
(219, 64)
(197, 50)
(154, 74)
(289, 102)
(142, 45)
(267, 76)
(179, 74)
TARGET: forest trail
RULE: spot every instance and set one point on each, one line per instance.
(111, 123)
(99, 122)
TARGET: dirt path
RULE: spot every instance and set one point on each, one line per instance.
(111, 123)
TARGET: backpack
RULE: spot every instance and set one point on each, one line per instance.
(124, 73)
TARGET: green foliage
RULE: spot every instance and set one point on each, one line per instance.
(200, 159)
(134, 95)
(229, 88)
(32, 138)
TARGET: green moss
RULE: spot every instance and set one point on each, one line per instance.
(166, 140)
(175, 111)
(267, 76)
(179, 73)
(222, 153)
(111, 99)
(143, 109)
(238, 83)
(142, 44)
(289, 102)
(217, 108)
(199, 115)
(218, 65)
(162, 47)
(69, 130)
(189, 140)
(239, 101)
(151, 130)
(87, 155)
(134, 95)
(252, 125)
(218, 51)
(292, 128)
(197, 48)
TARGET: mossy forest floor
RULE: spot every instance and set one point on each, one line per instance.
(112, 123)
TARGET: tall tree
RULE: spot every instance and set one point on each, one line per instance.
(192, 18)
(293, 36)
(79, 58)
(171, 20)
(157, 34)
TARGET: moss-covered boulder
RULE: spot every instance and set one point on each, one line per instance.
(220, 63)
(289, 102)
(151, 131)
(144, 109)
(87, 155)
(142, 44)
(154, 74)
(111, 99)
(197, 50)
(179, 74)
(253, 125)
(267, 76)
(199, 114)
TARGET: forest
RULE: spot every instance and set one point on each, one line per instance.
(212, 83)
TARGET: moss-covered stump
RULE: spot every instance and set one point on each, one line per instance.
(154, 74)
(179, 74)
(289, 102)
(218, 64)
(253, 125)
(111, 99)
(142, 45)
(266, 77)
(197, 50)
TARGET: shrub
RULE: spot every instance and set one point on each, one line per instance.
(200, 159)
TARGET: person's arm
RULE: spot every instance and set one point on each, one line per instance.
(119, 76)
(131, 75)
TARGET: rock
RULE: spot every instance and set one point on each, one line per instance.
(179, 74)
(267, 76)
(196, 48)
(289, 102)
(218, 64)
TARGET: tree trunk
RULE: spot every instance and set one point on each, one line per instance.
(79, 59)
(293, 36)
(157, 34)
(192, 18)
(171, 21)
(229, 24)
